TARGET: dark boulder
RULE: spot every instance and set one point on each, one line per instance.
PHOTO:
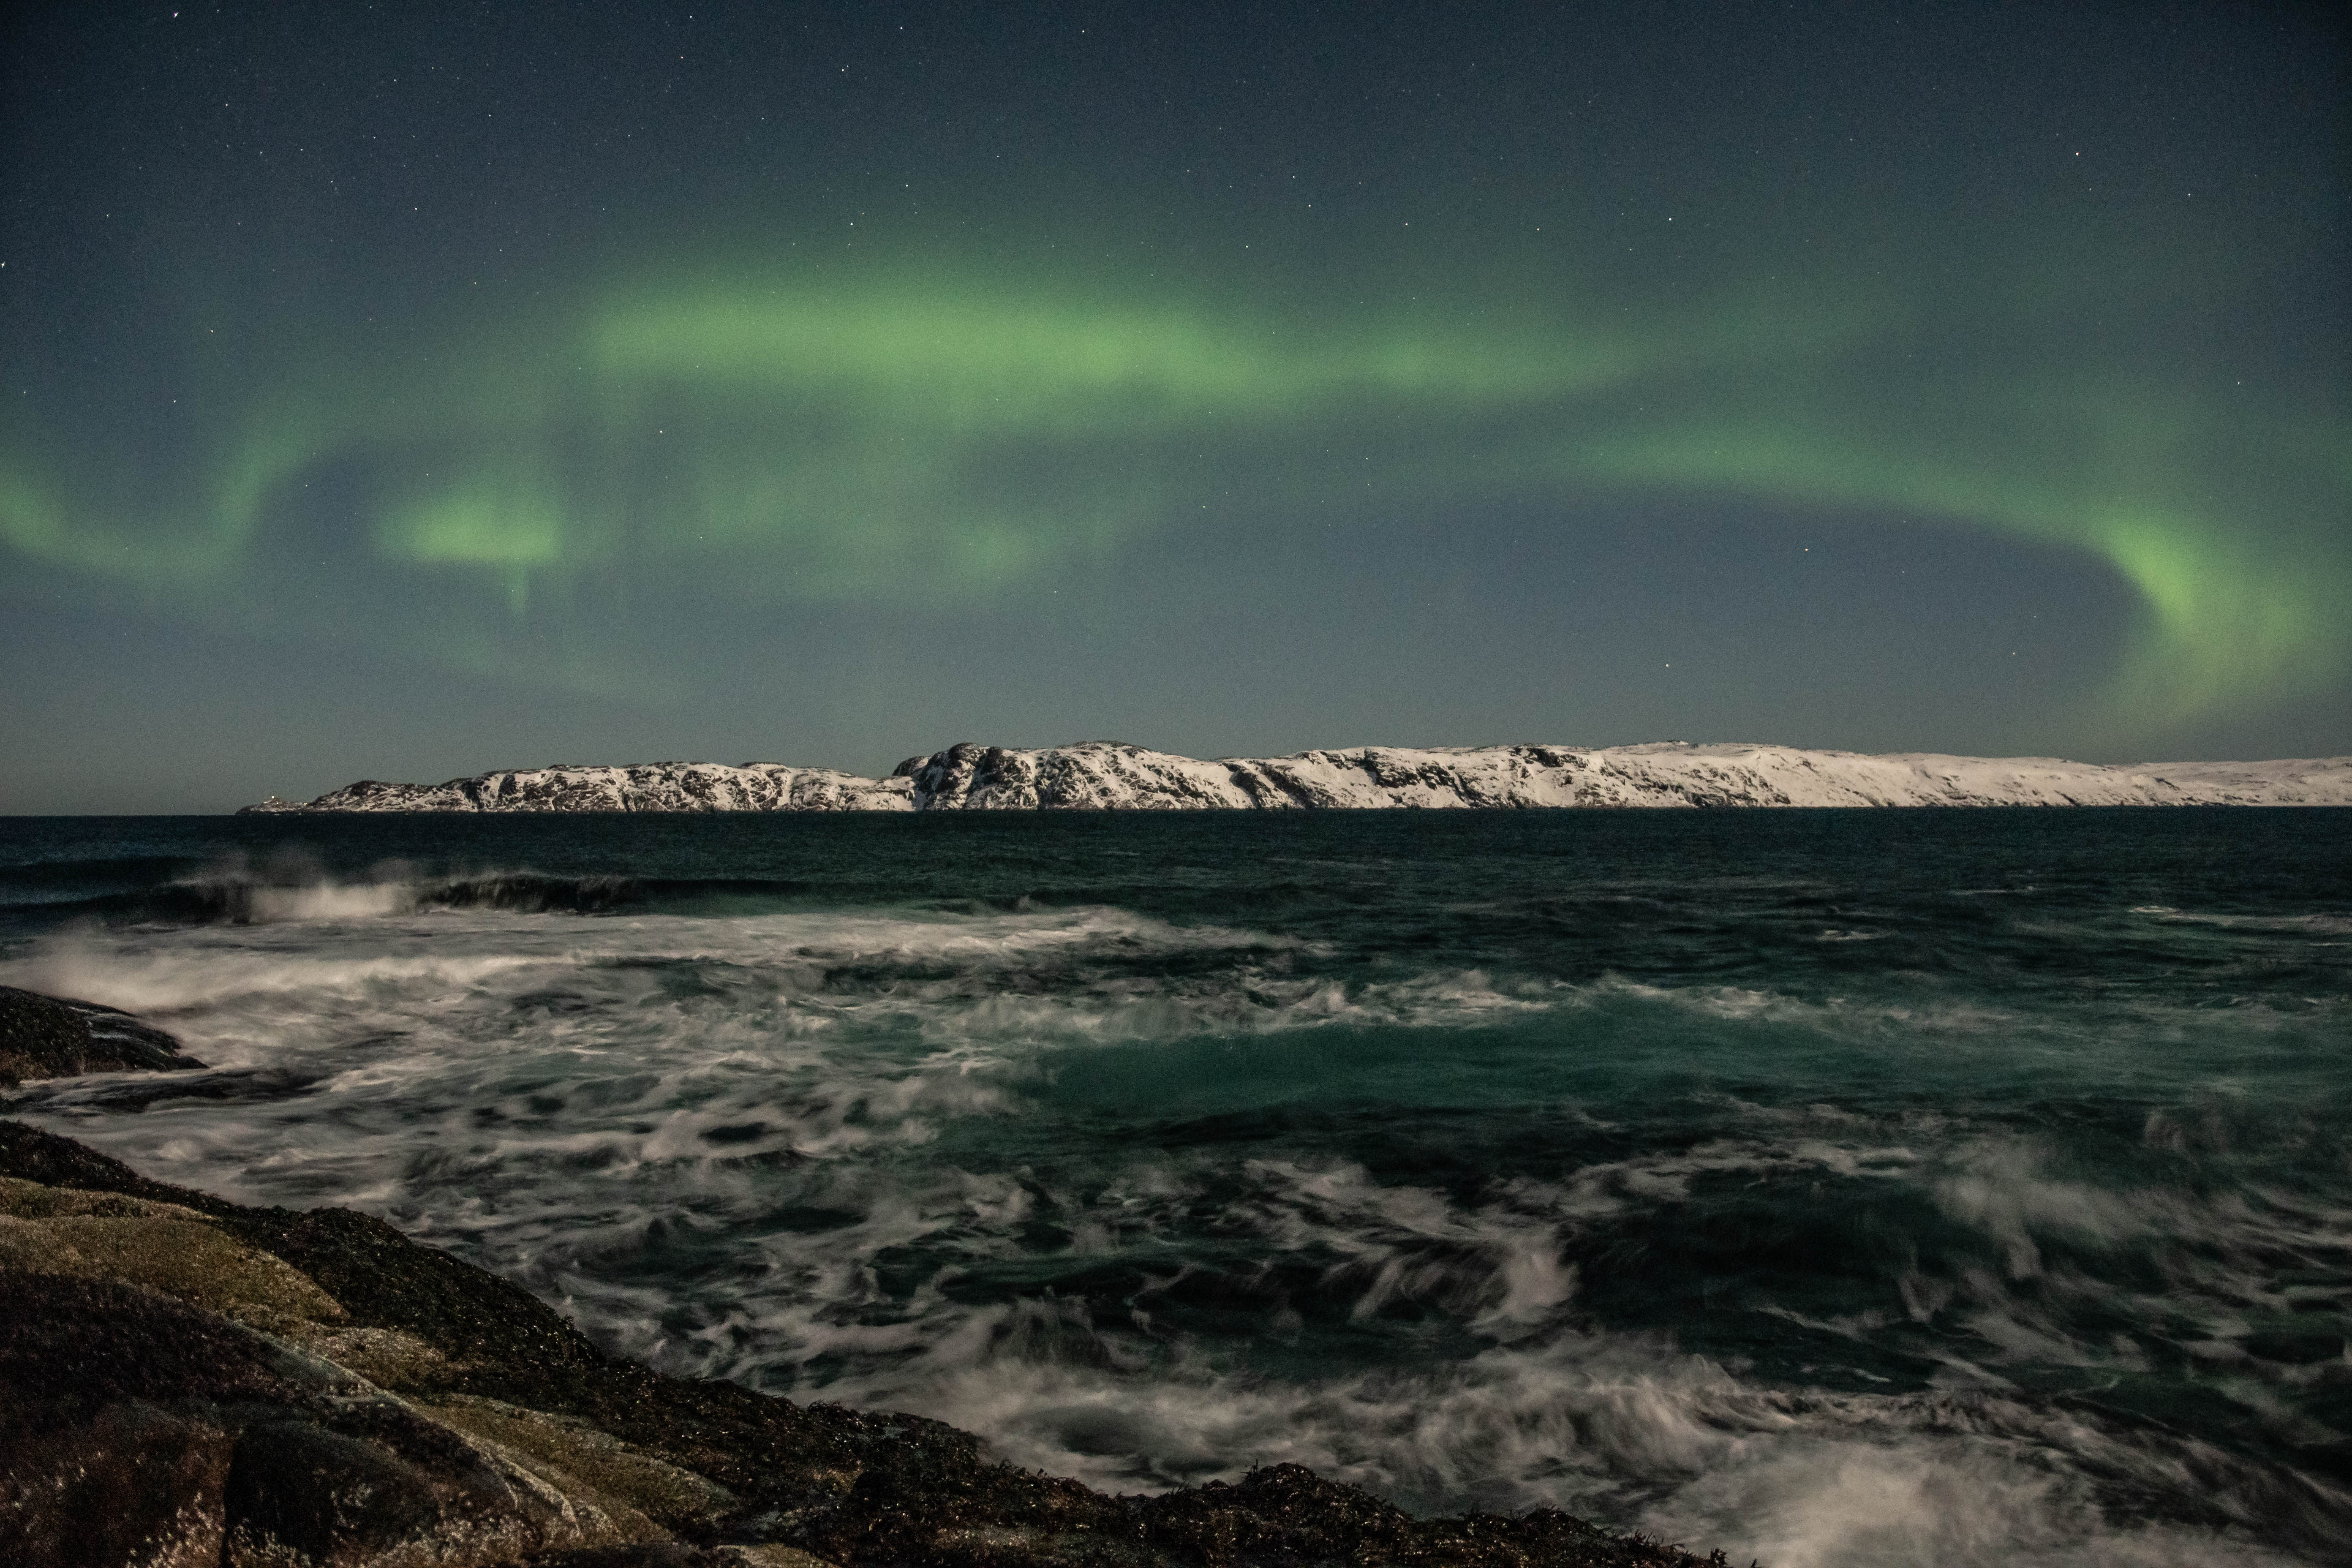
(56, 1036)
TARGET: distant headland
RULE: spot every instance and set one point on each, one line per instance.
(1103, 775)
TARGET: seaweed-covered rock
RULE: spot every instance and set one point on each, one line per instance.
(185, 1381)
(56, 1036)
(1286, 1516)
(466, 1315)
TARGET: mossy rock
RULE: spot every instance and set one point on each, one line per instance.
(135, 1427)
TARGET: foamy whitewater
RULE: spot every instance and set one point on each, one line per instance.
(1833, 1188)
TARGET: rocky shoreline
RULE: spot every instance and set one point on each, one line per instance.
(187, 1381)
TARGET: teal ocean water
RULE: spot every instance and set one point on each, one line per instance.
(1834, 1187)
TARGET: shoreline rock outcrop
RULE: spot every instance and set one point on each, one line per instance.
(185, 1381)
(1103, 775)
(56, 1037)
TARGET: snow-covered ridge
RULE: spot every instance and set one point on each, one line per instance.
(1101, 775)
(647, 786)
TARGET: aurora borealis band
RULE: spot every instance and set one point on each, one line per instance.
(1892, 378)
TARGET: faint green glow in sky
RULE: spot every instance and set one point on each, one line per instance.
(2241, 600)
(970, 357)
(927, 436)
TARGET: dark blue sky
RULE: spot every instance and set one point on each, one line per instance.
(408, 391)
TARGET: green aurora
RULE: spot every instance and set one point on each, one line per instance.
(420, 389)
(935, 434)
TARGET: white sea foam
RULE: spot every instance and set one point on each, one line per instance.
(1618, 1426)
(602, 1107)
(2318, 924)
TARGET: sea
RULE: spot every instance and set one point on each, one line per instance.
(1832, 1187)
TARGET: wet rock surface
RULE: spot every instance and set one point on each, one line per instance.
(56, 1036)
(185, 1381)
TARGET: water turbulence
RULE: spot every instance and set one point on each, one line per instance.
(1838, 1188)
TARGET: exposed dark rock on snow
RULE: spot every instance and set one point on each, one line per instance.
(1102, 775)
(652, 786)
(183, 1382)
(50, 1037)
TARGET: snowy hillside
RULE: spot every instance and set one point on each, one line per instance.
(1106, 776)
(649, 787)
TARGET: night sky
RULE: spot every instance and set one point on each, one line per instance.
(406, 391)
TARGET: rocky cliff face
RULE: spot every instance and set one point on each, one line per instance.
(1101, 775)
